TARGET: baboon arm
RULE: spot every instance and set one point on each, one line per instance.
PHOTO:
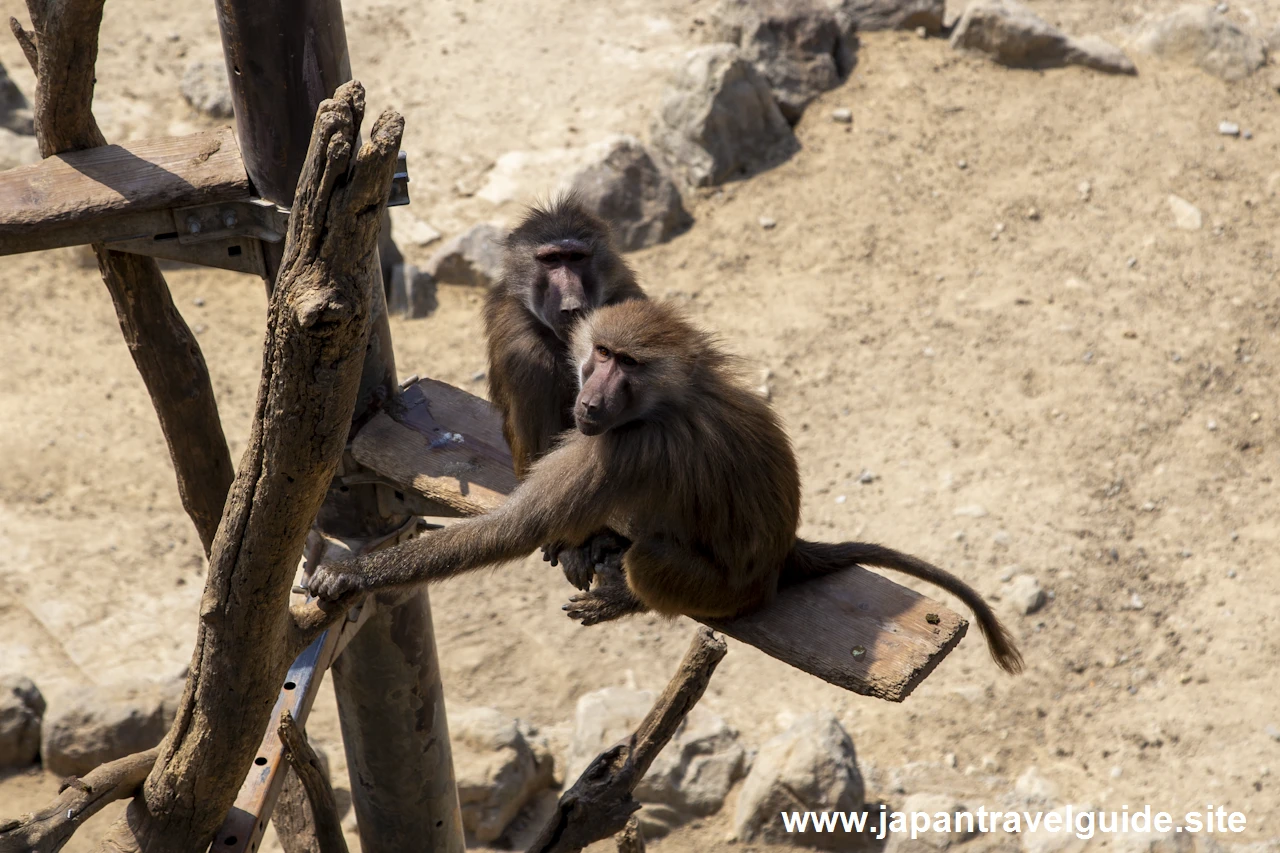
(564, 498)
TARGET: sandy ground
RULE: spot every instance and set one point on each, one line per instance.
(1083, 393)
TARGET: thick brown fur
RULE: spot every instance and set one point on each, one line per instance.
(673, 452)
(532, 379)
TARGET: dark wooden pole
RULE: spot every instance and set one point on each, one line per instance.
(283, 58)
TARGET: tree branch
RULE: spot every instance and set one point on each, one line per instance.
(600, 803)
(318, 325)
(49, 829)
(324, 811)
(63, 53)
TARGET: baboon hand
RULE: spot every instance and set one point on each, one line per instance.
(577, 563)
(332, 581)
(589, 608)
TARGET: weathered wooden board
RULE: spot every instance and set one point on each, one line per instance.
(855, 629)
(446, 445)
(116, 192)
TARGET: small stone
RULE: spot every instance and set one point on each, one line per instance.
(102, 724)
(842, 115)
(198, 302)
(1185, 214)
(1254, 417)
(1116, 772)
(473, 258)
(950, 760)
(922, 32)
(205, 87)
(867, 477)
(1247, 134)
(1134, 603)
(1149, 506)
(1221, 8)
(1228, 128)
(1185, 553)
(1033, 214)
(21, 712)
(971, 511)
(499, 767)
(1273, 732)
(1026, 595)
(811, 766)
(962, 164)
(1085, 189)
(1131, 263)
(768, 222)
(1212, 425)
(1231, 573)
(478, 376)
(841, 498)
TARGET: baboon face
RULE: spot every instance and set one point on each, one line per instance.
(611, 395)
(566, 285)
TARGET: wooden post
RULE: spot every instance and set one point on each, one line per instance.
(283, 58)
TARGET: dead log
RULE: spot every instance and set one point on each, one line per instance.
(49, 829)
(318, 325)
(323, 832)
(600, 803)
(63, 52)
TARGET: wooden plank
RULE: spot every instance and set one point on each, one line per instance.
(446, 445)
(116, 192)
(855, 629)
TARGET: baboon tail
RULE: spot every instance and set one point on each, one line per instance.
(815, 559)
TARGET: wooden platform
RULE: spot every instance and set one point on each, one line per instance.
(855, 629)
(117, 192)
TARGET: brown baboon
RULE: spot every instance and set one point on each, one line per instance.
(560, 264)
(673, 452)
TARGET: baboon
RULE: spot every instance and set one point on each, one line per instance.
(559, 265)
(675, 453)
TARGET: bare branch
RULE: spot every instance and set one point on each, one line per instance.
(600, 803)
(315, 345)
(324, 811)
(163, 347)
(630, 840)
(49, 829)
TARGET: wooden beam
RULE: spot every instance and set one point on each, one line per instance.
(855, 629)
(116, 192)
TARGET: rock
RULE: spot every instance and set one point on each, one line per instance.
(412, 292)
(811, 766)
(1013, 35)
(18, 150)
(15, 112)
(1185, 214)
(1228, 128)
(499, 769)
(797, 45)
(602, 719)
(1026, 595)
(868, 15)
(692, 775)
(1034, 788)
(205, 86)
(410, 228)
(1197, 35)
(473, 258)
(21, 710)
(842, 115)
(626, 189)
(928, 841)
(719, 121)
(101, 724)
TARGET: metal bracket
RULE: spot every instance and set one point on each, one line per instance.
(230, 235)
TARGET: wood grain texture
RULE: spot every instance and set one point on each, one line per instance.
(101, 194)
(855, 629)
(445, 444)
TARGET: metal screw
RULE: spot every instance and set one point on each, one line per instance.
(229, 219)
(193, 224)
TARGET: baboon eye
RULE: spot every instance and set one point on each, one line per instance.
(551, 259)
(628, 361)
(603, 351)
(574, 257)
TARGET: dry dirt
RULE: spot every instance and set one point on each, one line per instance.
(1084, 393)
